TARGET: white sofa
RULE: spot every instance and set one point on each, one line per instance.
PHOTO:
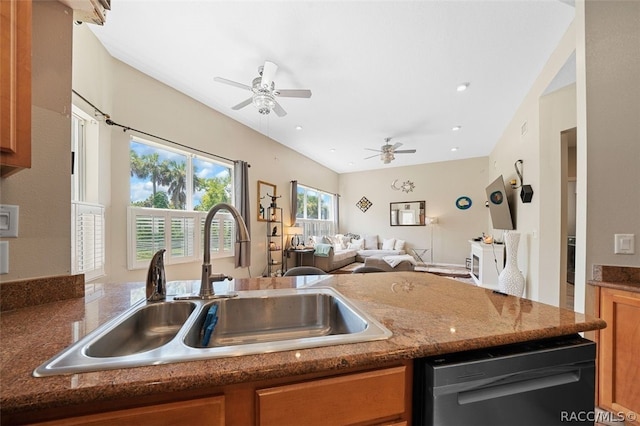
(335, 259)
(345, 249)
(379, 247)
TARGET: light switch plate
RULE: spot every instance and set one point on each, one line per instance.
(624, 244)
(8, 220)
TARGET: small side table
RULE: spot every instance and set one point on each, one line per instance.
(300, 254)
(418, 253)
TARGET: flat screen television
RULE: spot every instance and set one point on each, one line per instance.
(499, 205)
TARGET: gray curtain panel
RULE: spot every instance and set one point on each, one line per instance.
(294, 202)
(241, 188)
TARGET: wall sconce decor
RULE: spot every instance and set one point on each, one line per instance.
(406, 186)
(526, 193)
(364, 204)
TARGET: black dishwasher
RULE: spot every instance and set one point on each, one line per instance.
(542, 382)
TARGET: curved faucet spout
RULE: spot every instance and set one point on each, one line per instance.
(242, 235)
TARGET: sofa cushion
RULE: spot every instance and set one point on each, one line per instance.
(344, 254)
(388, 243)
(371, 242)
(399, 245)
(355, 245)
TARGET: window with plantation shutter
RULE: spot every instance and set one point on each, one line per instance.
(87, 244)
(171, 191)
(179, 232)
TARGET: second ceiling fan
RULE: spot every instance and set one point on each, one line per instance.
(265, 92)
(387, 151)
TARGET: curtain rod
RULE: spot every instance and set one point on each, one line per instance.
(317, 189)
(110, 122)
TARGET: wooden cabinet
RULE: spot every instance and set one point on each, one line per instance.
(619, 351)
(15, 86)
(370, 397)
(202, 411)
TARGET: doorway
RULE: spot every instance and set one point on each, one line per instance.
(568, 221)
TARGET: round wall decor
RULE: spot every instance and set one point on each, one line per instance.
(463, 202)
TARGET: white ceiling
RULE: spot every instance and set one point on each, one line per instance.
(377, 69)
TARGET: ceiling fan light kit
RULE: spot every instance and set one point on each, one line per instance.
(388, 151)
(264, 91)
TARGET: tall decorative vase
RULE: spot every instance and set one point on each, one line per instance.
(511, 280)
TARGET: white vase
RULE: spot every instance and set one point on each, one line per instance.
(511, 280)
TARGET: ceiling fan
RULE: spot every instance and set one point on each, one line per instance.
(264, 91)
(388, 151)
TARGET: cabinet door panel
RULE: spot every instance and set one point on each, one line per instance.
(15, 85)
(620, 351)
(353, 398)
(203, 411)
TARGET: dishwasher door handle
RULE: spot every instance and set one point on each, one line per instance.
(497, 391)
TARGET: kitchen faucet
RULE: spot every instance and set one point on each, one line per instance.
(208, 278)
(156, 281)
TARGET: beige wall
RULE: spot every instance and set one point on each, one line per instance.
(139, 101)
(538, 222)
(608, 134)
(440, 185)
(43, 246)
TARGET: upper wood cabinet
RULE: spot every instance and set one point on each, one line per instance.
(15, 86)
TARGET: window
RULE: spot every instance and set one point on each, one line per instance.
(87, 217)
(171, 192)
(315, 211)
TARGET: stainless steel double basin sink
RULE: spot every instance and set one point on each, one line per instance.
(253, 322)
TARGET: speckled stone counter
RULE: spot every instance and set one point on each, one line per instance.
(619, 277)
(427, 315)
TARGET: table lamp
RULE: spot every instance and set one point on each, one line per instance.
(295, 231)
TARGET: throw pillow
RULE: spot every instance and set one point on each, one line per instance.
(355, 245)
(399, 245)
(370, 242)
(388, 243)
(336, 242)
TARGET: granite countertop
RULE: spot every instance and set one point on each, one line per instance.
(625, 278)
(427, 314)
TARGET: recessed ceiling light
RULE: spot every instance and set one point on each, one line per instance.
(351, 163)
(332, 150)
(462, 87)
(298, 127)
(456, 128)
(454, 149)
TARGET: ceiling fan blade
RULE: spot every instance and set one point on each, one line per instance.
(268, 72)
(280, 112)
(242, 104)
(405, 151)
(293, 93)
(366, 158)
(371, 149)
(232, 83)
(396, 145)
